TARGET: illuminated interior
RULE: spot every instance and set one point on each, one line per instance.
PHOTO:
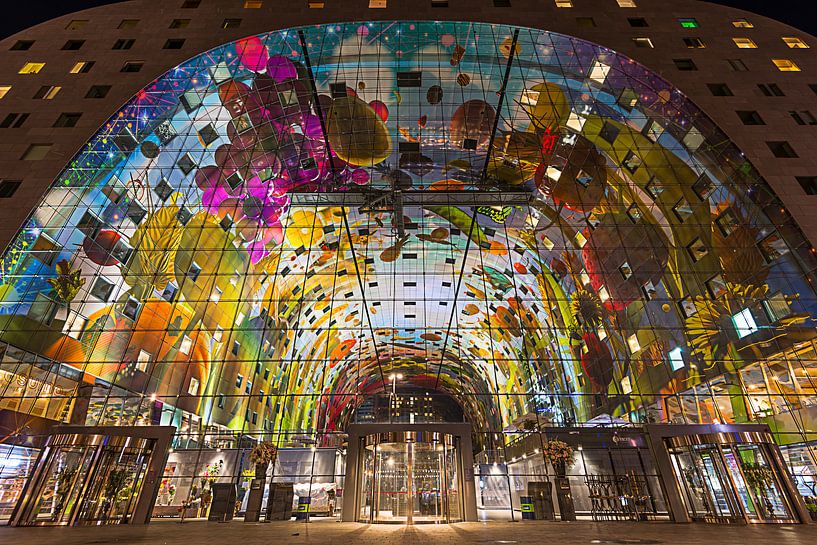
(527, 223)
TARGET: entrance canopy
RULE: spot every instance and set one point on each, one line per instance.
(279, 227)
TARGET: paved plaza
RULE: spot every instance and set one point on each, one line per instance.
(329, 532)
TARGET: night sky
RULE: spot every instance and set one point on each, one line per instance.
(798, 13)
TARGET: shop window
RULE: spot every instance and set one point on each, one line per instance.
(132, 66)
(688, 23)
(745, 43)
(770, 90)
(682, 210)
(76, 24)
(73, 45)
(67, 120)
(694, 43)
(22, 45)
(642, 41)
(737, 65)
(128, 23)
(720, 89)
(98, 91)
(637, 22)
(102, 289)
(8, 188)
(32, 68)
(782, 149)
(786, 65)
(179, 23)
(82, 67)
(174, 43)
(803, 117)
(727, 222)
(36, 152)
(685, 65)
(703, 187)
(794, 42)
(776, 307)
(231, 23)
(750, 117)
(808, 183)
(744, 323)
(13, 120)
(697, 250)
(773, 247)
(586, 22)
(716, 287)
(654, 187)
(742, 23)
(124, 43)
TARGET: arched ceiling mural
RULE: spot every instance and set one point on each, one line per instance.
(524, 220)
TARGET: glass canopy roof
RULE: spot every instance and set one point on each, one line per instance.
(524, 220)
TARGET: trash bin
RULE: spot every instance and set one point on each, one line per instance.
(303, 508)
(527, 507)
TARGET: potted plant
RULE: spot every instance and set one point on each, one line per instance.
(559, 454)
(262, 455)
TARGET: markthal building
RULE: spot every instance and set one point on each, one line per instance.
(420, 251)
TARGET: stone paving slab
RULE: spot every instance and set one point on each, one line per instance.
(329, 532)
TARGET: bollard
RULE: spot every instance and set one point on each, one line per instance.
(527, 507)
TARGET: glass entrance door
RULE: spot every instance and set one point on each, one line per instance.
(730, 483)
(408, 481)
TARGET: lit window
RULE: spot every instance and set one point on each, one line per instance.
(598, 72)
(676, 359)
(253, 4)
(193, 389)
(564, 3)
(32, 68)
(315, 4)
(626, 3)
(187, 344)
(47, 92)
(745, 43)
(377, 4)
(795, 43)
(694, 43)
(642, 42)
(689, 23)
(744, 323)
(231, 23)
(81, 67)
(742, 23)
(632, 342)
(626, 386)
(785, 65)
(142, 361)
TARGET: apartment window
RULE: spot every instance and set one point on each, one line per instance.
(439, 3)
(720, 89)
(501, 3)
(98, 91)
(67, 119)
(73, 45)
(4, 90)
(737, 65)
(8, 188)
(32, 68)
(637, 22)
(794, 42)
(688, 23)
(750, 117)
(36, 152)
(190, 4)
(76, 24)
(808, 183)
(132, 66)
(82, 67)
(745, 43)
(47, 92)
(694, 43)
(786, 65)
(586, 22)
(179, 23)
(770, 90)
(742, 23)
(377, 4)
(253, 4)
(564, 4)
(124, 43)
(641, 41)
(174, 43)
(782, 150)
(803, 117)
(128, 23)
(231, 23)
(626, 3)
(22, 45)
(813, 87)
(13, 120)
(684, 64)
(315, 4)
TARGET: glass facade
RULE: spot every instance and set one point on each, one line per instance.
(534, 226)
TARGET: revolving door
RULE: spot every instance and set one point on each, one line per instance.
(410, 478)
